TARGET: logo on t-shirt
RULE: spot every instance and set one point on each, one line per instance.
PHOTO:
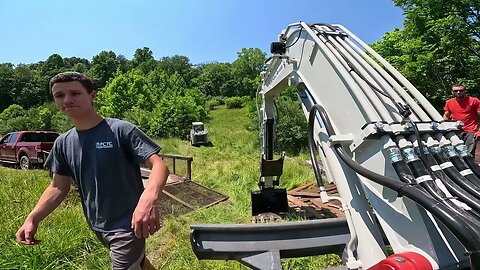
(102, 145)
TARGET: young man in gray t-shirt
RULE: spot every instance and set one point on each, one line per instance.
(103, 157)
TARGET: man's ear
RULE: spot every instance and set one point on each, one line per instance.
(93, 94)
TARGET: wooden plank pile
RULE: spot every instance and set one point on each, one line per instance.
(305, 202)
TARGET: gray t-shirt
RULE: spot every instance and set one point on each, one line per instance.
(104, 161)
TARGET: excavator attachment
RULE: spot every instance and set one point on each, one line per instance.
(270, 199)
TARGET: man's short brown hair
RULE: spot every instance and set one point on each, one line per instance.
(459, 85)
(72, 76)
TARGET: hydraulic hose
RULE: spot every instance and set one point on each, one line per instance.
(405, 175)
(313, 153)
(465, 170)
(403, 172)
(425, 180)
(470, 161)
(452, 187)
(454, 222)
(454, 174)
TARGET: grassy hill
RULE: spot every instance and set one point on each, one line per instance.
(229, 165)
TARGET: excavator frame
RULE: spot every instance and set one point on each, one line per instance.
(404, 178)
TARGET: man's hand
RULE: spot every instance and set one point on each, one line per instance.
(146, 218)
(26, 233)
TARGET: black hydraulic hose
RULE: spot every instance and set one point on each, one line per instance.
(403, 172)
(452, 187)
(313, 152)
(424, 179)
(405, 175)
(454, 222)
(455, 175)
(467, 235)
(462, 167)
(470, 161)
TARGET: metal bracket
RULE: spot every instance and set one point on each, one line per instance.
(261, 246)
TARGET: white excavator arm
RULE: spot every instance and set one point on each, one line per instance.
(403, 176)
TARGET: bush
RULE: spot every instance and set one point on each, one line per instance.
(234, 103)
(212, 104)
(174, 115)
(61, 123)
(291, 123)
(45, 117)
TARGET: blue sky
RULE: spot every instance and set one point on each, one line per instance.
(204, 31)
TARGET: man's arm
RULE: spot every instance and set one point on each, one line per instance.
(447, 115)
(51, 198)
(146, 219)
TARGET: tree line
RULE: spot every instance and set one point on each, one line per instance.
(161, 96)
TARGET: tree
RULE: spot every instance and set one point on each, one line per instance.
(30, 87)
(54, 65)
(246, 70)
(123, 93)
(212, 79)
(104, 65)
(6, 85)
(177, 64)
(439, 45)
(143, 60)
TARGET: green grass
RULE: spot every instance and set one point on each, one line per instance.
(66, 241)
(229, 165)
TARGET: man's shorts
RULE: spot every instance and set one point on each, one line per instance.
(126, 250)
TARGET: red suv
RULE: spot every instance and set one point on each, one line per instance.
(26, 148)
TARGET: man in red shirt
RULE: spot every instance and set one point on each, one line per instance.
(466, 109)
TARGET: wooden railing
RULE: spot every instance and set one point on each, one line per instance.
(173, 165)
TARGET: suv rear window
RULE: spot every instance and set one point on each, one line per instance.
(39, 137)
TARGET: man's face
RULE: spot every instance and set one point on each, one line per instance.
(459, 91)
(72, 98)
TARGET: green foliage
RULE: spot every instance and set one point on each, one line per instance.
(291, 128)
(11, 112)
(438, 46)
(214, 102)
(135, 90)
(143, 60)
(10, 119)
(234, 102)
(141, 118)
(123, 93)
(291, 123)
(45, 117)
(61, 123)
(213, 79)
(104, 65)
(174, 114)
(179, 65)
(246, 70)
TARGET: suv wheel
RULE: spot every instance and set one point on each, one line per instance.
(24, 163)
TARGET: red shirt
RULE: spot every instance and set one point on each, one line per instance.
(465, 110)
